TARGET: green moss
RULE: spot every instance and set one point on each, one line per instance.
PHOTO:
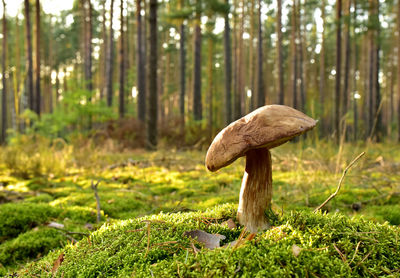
(331, 246)
(16, 218)
(30, 245)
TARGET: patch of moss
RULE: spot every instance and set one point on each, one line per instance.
(30, 245)
(330, 246)
(16, 218)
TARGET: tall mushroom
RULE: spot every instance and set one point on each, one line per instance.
(253, 136)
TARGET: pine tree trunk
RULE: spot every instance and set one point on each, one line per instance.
(4, 81)
(151, 122)
(260, 77)
(322, 74)
(122, 64)
(293, 44)
(210, 86)
(398, 72)
(197, 102)
(228, 69)
(29, 63)
(103, 53)
(17, 74)
(346, 91)
(109, 59)
(251, 57)
(338, 68)
(182, 75)
(140, 68)
(301, 65)
(281, 89)
(37, 59)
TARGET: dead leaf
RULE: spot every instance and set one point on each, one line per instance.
(110, 201)
(55, 225)
(229, 223)
(57, 263)
(296, 250)
(210, 241)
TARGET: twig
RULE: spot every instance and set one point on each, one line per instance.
(354, 255)
(96, 195)
(340, 182)
(148, 238)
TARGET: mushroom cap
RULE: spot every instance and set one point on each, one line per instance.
(266, 127)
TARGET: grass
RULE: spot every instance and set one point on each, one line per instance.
(136, 184)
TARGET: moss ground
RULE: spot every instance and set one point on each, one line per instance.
(174, 187)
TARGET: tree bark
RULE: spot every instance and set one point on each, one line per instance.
(122, 64)
(210, 85)
(152, 105)
(103, 53)
(322, 74)
(182, 75)
(338, 68)
(398, 72)
(281, 90)
(260, 75)
(346, 90)
(140, 67)
(29, 63)
(4, 81)
(228, 69)
(197, 102)
(37, 59)
(293, 43)
(301, 65)
(109, 60)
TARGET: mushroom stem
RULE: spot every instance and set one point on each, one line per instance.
(256, 191)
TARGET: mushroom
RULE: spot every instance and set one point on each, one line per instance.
(253, 136)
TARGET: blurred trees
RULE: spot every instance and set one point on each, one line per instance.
(213, 62)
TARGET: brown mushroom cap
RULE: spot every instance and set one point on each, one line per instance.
(267, 127)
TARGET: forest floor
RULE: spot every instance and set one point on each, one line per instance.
(47, 199)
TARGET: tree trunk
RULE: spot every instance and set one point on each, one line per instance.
(210, 85)
(4, 82)
(355, 59)
(182, 74)
(293, 44)
(281, 90)
(109, 60)
(398, 72)
(17, 74)
(260, 75)
(346, 91)
(151, 121)
(37, 59)
(301, 65)
(103, 53)
(228, 69)
(29, 63)
(197, 102)
(338, 68)
(122, 64)
(252, 62)
(322, 74)
(140, 68)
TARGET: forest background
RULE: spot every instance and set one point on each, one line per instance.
(199, 65)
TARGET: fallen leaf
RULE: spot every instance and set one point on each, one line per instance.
(55, 225)
(296, 250)
(229, 223)
(210, 241)
(110, 201)
(57, 263)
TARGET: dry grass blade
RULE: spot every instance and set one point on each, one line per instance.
(340, 182)
(148, 239)
(57, 263)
